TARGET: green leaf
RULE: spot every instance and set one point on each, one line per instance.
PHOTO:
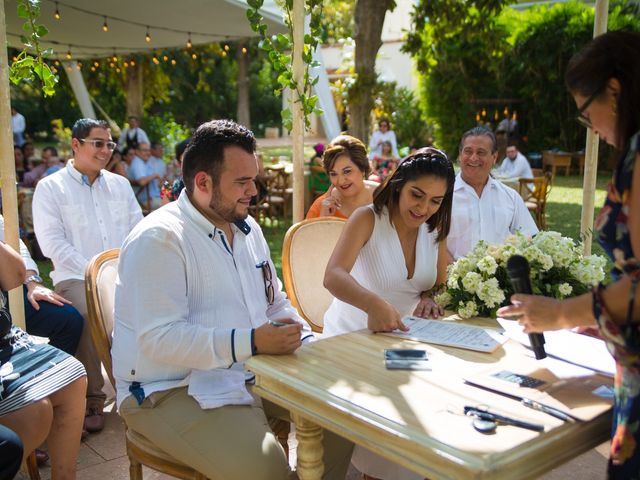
(23, 11)
(41, 30)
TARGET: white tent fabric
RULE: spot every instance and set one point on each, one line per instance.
(79, 88)
(330, 121)
(79, 29)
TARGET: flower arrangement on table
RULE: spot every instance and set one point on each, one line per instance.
(478, 284)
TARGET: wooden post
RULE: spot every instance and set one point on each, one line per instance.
(243, 113)
(8, 170)
(591, 150)
(297, 131)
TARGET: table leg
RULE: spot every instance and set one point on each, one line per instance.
(310, 450)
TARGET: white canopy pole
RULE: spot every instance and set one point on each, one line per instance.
(591, 150)
(79, 88)
(8, 171)
(297, 131)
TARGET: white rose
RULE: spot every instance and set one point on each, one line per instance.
(471, 281)
(488, 265)
(468, 309)
(565, 289)
(443, 299)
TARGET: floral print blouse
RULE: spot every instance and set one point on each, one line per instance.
(623, 340)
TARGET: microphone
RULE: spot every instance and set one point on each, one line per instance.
(518, 273)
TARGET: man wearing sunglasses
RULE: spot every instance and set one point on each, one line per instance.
(78, 212)
(196, 296)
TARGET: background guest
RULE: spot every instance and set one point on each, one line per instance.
(383, 134)
(346, 163)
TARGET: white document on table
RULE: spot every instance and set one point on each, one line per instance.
(582, 350)
(451, 334)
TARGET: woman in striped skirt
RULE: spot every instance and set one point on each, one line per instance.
(42, 389)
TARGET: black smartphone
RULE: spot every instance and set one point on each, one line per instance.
(406, 359)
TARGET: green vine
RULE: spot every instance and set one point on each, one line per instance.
(278, 48)
(29, 66)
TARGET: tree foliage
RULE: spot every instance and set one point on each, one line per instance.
(478, 49)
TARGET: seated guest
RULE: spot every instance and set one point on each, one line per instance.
(35, 173)
(388, 259)
(483, 208)
(46, 313)
(171, 191)
(515, 164)
(53, 162)
(383, 164)
(156, 161)
(383, 134)
(41, 389)
(117, 165)
(146, 179)
(346, 163)
(28, 151)
(184, 326)
(128, 154)
(21, 165)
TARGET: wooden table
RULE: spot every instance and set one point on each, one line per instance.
(413, 417)
(557, 160)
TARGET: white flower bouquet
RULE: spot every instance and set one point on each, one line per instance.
(478, 285)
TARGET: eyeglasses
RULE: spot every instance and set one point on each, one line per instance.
(100, 144)
(268, 281)
(581, 118)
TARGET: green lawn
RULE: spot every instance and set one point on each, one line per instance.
(564, 208)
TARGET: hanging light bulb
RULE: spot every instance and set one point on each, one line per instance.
(226, 47)
(224, 54)
(147, 37)
(93, 68)
(111, 64)
(118, 70)
(115, 57)
(56, 14)
(155, 59)
(194, 56)
(69, 53)
(173, 61)
(189, 44)
(165, 58)
(96, 64)
(126, 64)
(484, 112)
(132, 63)
(56, 63)
(105, 26)
(244, 50)
(15, 58)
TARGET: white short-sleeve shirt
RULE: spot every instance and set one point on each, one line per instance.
(498, 212)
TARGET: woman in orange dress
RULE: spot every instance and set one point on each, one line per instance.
(346, 163)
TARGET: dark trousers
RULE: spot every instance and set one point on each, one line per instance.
(62, 325)
(10, 452)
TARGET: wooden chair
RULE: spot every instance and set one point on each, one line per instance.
(278, 192)
(305, 253)
(537, 172)
(100, 277)
(535, 192)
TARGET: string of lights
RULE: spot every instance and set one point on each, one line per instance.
(58, 15)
